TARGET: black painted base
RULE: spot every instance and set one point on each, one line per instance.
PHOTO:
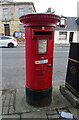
(39, 98)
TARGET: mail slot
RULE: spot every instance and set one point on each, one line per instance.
(39, 33)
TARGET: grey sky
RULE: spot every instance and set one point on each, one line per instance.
(62, 7)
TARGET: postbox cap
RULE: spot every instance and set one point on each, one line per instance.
(40, 19)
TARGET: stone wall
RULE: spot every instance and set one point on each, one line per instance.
(13, 19)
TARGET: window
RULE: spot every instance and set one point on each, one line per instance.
(5, 13)
(4, 38)
(62, 35)
(21, 11)
(22, 28)
(62, 22)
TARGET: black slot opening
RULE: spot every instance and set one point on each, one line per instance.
(42, 32)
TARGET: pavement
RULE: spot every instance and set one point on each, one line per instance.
(14, 106)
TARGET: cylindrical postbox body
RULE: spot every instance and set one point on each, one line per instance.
(39, 33)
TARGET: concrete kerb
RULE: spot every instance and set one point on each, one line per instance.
(21, 44)
(62, 45)
(69, 96)
(58, 45)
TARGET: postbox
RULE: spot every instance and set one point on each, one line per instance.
(39, 44)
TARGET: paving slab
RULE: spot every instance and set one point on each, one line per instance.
(20, 109)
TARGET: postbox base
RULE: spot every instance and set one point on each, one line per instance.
(39, 98)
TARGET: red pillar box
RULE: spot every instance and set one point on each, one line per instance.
(39, 33)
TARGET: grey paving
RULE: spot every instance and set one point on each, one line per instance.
(14, 105)
(8, 102)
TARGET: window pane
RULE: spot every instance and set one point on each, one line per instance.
(62, 22)
(5, 12)
(21, 11)
(5, 37)
(22, 28)
(62, 35)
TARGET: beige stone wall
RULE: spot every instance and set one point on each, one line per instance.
(1, 25)
(1, 29)
(13, 19)
(14, 26)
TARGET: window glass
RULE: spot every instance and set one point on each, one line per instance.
(21, 11)
(4, 38)
(62, 35)
(62, 22)
(5, 13)
(21, 27)
(42, 46)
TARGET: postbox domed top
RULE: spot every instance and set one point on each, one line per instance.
(40, 19)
